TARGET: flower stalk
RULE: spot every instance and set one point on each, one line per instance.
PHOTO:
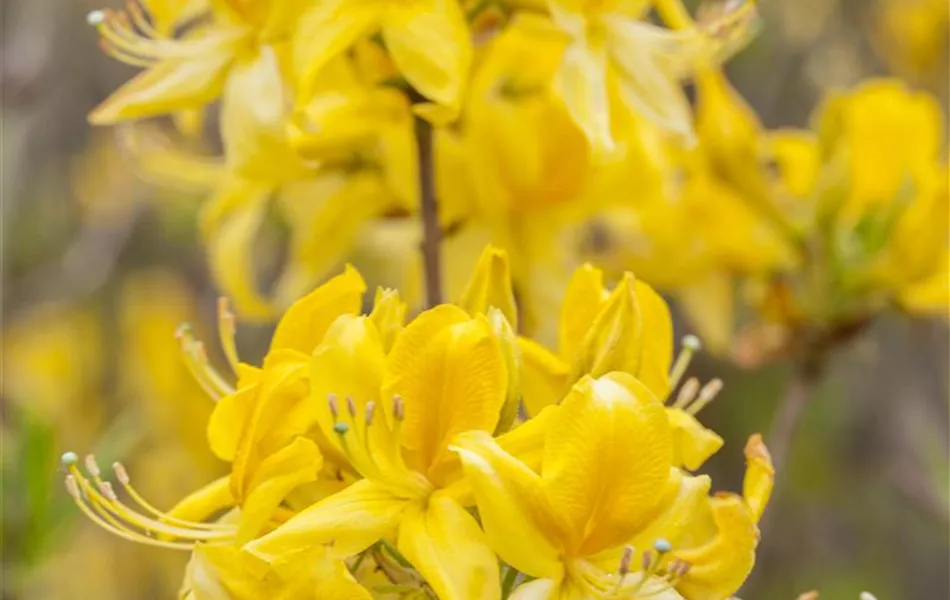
(429, 208)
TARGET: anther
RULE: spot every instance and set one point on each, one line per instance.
(92, 466)
(331, 402)
(106, 489)
(120, 473)
(72, 487)
(96, 18)
(706, 395)
(351, 406)
(370, 409)
(69, 459)
(399, 408)
(687, 393)
(625, 559)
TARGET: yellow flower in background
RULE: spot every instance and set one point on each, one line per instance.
(428, 41)
(606, 481)
(610, 45)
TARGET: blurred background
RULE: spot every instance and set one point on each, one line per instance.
(99, 269)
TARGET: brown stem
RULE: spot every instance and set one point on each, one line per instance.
(787, 416)
(431, 233)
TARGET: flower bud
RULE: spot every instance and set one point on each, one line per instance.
(389, 315)
(508, 341)
(613, 342)
(490, 286)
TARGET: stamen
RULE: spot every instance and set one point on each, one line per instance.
(399, 408)
(625, 559)
(706, 395)
(351, 406)
(140, 20)
(101, 504)
(691, 345)
(227, 329)
(687, 393)
(331, 402)
(122, 475)
(196, 359)
(370, 409)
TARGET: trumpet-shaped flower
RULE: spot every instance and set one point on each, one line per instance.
(605, 482)
(392, 416)
(627, 330)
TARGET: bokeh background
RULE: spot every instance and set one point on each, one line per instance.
(100, 267)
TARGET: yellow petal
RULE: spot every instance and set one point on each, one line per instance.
(539, 589)
(389, 315)
(228, 419)
(931, 295)
(453, 381)
(508, 342)
(326, 215)
(430, 44)
(295, 464)
(254, 113)
(171, 85)
(217, 573)
(583, 299)
(204, 502)
(606, 460)
(759, 476)
(720, 566)
(352, 520)
(709, 304)
(348, 363)
(490, 286)
(325, 31)
(522, 527)
(581, 83)
(281, 411)
(685, 497)
(231, 247)
(303, 325)
(544, 376)
(656, 339)
(445, 544)
(648, 83)
(613, 342)
(526, 441)
(693, 444)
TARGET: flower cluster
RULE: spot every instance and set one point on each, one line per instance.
(445, 457)
(819, 229)
(539, 108)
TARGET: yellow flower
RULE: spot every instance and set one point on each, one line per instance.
(427, 39)
(609, 45)
(605, 481)
(627, 329)
(221, 573)
(444, 375)
(261, 427)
